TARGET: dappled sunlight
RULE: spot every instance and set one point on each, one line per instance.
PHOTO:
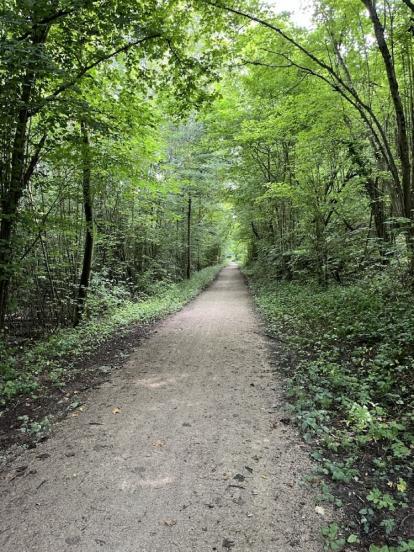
(157, 382)
(155, 483)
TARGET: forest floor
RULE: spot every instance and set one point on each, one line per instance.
(188, 447)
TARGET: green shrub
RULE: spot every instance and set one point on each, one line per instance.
(20, 373)
(352, 386)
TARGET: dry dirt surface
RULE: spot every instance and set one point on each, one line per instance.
(186, 449)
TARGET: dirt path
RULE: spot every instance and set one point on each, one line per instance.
(191, 462)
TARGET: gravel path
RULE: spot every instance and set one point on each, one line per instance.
(183, 450)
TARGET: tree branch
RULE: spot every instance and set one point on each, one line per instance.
(263, 64)
(47, 21)
(34, 160)
(401, 123)
(384, 148)
(68, 84)
(348, 92)
(409, 4)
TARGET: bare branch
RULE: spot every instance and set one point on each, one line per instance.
(263, 64)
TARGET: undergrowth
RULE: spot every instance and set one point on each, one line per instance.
(24, 371)
(351, 388)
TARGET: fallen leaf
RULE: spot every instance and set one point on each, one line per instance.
(116, 410)
(170, 522)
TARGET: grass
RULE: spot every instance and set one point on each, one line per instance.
(352, 391)
(23, 372)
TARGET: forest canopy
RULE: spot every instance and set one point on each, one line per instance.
(118, 119)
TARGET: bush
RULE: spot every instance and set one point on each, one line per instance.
(22, 372)
(352, 389)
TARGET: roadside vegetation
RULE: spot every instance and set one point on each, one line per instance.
(351, 388)
(43, 382)
(316, 127)
(50, 360)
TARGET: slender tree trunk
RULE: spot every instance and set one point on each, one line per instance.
(403, 144)
(376, 200)
(14, 186)
(5, 260)
(254, 230)
(89, 231)
(321, 253)
(44, 249)
(188, 271)
(12, 195)
(199, 238)
(378, 214)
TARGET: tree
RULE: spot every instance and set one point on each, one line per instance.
(336, 71)
(48, 50)
(89, 222)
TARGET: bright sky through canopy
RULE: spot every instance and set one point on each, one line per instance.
(301, 10)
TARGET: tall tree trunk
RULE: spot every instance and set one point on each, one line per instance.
(6, 229)
(188, 268)
(12, 195)
(199, 238)
(403, 144)
(89, 231)
(378, 214)
(14, 186)
(376, 200)
(320, 250)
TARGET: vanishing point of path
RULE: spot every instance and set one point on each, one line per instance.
(183, 450)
